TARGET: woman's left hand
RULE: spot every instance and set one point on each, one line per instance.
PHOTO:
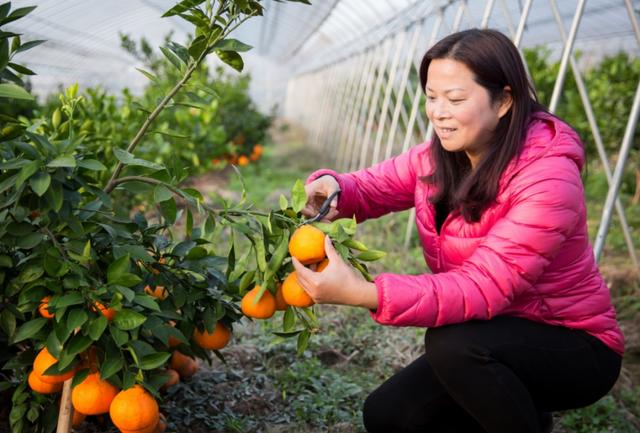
(338, 283)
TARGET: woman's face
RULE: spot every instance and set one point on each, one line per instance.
(461, 110)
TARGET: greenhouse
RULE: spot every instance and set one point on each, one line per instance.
(320, 216)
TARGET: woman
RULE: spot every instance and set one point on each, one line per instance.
(520, 320)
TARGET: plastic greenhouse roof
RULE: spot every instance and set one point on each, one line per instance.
(83, 43)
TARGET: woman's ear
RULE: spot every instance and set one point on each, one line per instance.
(505, 102)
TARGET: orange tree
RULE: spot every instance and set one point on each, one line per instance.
(105, 299)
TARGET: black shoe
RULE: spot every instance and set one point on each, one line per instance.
(546, 422)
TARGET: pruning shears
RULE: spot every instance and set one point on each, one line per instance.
(324, 209)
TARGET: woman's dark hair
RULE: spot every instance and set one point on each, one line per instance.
(495, 63)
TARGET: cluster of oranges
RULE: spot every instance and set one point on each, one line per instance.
(306, 245)
(240, 159)
(131, 410)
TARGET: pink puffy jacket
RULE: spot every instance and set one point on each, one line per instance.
(529, 255)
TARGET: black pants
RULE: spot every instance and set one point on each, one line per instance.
(494, 376)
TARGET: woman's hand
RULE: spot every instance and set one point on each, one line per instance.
(338, 283)
(317, 192)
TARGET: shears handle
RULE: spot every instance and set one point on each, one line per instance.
(324, 209)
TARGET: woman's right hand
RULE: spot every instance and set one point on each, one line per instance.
(317, 192)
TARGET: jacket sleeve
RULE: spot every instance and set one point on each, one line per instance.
(546, 202)
(375, 191)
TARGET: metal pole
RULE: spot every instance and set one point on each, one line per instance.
(522, 23)
(568, 47)
(374, 104)
(487, 14)
(353, 116)
(617, 175)
(584, 95)
(387, 97)
(401, 91)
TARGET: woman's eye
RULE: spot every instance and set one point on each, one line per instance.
(431, 98)
(456, 101)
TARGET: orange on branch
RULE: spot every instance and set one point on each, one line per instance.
(36, 384)
(243, 160)
(173, 378)
(307, 244)
(293, 292)
(216, 340)
(93, 395)
(263, 309)
(135, 410)
(281, 304)
(158, 292)
(109, 313)
(43, 361)
(42, 308)
(183, 364)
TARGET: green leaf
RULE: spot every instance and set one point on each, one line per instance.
(10, 90)
(118, 268)
(5, 261)
(63, 161)
(29, 329)
(8, 322)
(298, 196)
(29, 241)
(40, 182)
(284, 203)
(128, 159)
(77, 318)
(182, 7)
(351, 243)
(21, 69)
(127, 280)
(127, 320)
(161, 193)
(91, 164)
(231, 45)
(371, 255)
(172, 57)
(289, 319)
(119, 337)
(97, 327)
(146, 301)
(154, 360)
(303, 341)
(232, 59)
(149, 75)
(77, 344)
(110, 366)
(28, 45)
(169, 210)
(73, 298)
(26, 172)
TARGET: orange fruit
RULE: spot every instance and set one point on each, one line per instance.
(158, 291)
(263, 309)
(183, 364)
(109, 313)
(42, 308)
(135, 410)
(43, 361)
(173, 378)
(293, 292)
(214, 341)
(281, 304)
(173, 341)
(307, 244)
(322, 265)
(93, 395)
(243, 160)
(36, 384)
